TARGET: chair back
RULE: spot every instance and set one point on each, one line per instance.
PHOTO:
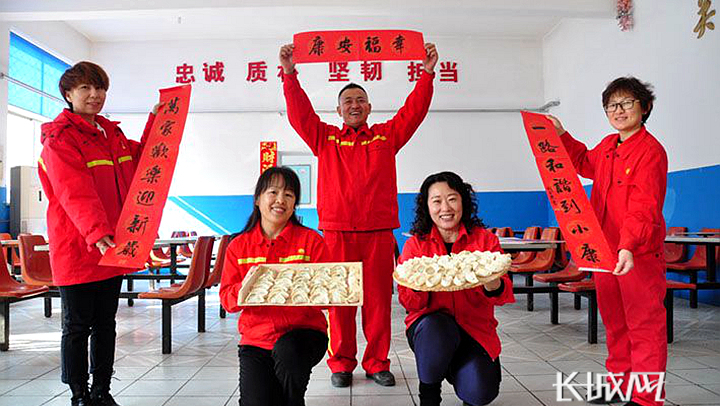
(186, 250)
(216, 274)
(34, 265)
(6, 280)
(199, 267)
(675, 252)
(504, 232)
(14, 256)
(562, 253)
(531, 233)
(699, 258)
(546, 258)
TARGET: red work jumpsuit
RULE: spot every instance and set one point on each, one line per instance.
(358, 208)
(628, 195)
(472, 309)
(262, 326)
(86, 178)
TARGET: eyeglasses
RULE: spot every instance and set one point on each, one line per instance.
(625, 105)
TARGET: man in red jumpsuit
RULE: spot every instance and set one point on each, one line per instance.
(357, 205)
(629, 170)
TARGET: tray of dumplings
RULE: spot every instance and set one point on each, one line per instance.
(304, 284)
(448, 273)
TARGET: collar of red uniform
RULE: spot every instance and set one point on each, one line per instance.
(258, 238)
(435, 234)
(82, 125)
(632, 142)
(347, 130)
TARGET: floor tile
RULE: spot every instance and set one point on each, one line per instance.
(205, 388)
(203, 368)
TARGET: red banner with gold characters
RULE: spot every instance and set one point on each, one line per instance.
(580, 228)
(268, 155)
(376, 45)
(142, 211)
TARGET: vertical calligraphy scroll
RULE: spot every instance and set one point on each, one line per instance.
(573, 211)
(268, 155)
(377, 45)
(142, 211)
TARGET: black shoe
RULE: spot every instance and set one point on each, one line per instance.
(80, 402)
(341, 379)
(102, 398)
(80, 395)
(383, 378)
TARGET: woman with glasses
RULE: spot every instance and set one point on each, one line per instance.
(629, 170)
(453, 334)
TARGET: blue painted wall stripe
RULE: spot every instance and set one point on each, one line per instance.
(693, 201)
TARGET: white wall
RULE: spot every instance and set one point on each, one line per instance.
(581, 56)
(220, 147)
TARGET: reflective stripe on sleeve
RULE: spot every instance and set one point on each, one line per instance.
(305, 258)
(257, 260)
(100, 162)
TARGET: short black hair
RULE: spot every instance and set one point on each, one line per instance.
(351, 86)
(639, 90)
(83, 73)
(423, 224)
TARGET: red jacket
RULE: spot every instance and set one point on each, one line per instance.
(471, 308)
(357, 167)
(628, 190)
(263, 326)
(86, 178)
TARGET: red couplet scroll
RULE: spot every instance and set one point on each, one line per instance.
(339, 46)
(142, 211)
(580, 228)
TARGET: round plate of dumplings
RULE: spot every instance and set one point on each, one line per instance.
(448, 273)
(334, 284)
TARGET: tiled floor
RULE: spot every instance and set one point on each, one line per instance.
(202, 370)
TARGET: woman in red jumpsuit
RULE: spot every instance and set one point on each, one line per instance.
(86, 167)
(279, 345)
(453, 334)
(629, 170)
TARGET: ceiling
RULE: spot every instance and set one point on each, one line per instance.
(131, 20)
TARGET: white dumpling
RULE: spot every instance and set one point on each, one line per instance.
(254, 299)
(320, 298)
(337, 297)
(458, 280)
(446, 280)
(433, 280)
(470, 276)
(300, 297)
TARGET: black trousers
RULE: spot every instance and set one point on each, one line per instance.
(279, 377)
(89, 310)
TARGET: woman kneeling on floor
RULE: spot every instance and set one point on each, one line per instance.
(453, 333)
(279, 345)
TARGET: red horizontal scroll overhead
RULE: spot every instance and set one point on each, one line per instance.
(375, 45)
(143, 207)
(580, 228)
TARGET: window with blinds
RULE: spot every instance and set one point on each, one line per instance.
(40, 73)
